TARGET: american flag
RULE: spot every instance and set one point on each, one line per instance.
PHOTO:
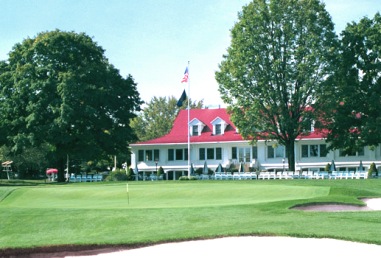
(186, 74)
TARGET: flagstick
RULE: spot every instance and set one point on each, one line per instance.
(188, 123)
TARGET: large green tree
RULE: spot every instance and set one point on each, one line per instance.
(352, 107)
(59, 89)
(274, 69)
(156, 118)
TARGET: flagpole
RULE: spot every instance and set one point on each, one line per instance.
(188, 123)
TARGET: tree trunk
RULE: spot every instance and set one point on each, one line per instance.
(61, 169)
(290, 152)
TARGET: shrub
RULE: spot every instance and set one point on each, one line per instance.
(117, 175)
(188, 178)
(372, 170)
(198, 171)
(160, 171)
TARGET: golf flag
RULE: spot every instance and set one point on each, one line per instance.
(186, 74)
(181, 99)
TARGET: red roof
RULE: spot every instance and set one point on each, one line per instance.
(179, 132)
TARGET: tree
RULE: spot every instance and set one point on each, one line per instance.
(156, 119)
(352, 108)
(30, 164)
(59, 89)
(274, 69)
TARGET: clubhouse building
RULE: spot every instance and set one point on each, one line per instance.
(215, 140)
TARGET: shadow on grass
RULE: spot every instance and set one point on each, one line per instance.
(16, 182)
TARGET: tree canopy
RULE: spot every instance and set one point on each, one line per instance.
(156, 119)
(59, 89)
(352, 103)
(280, 56)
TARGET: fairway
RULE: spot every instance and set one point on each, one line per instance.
(150, 212)
(156, 195)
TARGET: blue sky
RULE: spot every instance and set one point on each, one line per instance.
(152, 40)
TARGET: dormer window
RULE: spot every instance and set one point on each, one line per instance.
(219, 126)
(194, 130)
(218, 129)
(196, 127)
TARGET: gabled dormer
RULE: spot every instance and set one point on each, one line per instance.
(196, 127)
(219, 126)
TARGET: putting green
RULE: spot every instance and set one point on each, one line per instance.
(156, 195)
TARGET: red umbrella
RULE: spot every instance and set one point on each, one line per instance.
(51, 171)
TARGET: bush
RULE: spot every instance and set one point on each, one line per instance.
(160, 171)
(198, 171)
(117, 175)
(186, 178)
(372, 171)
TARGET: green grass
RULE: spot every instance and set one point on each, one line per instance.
(103, 213)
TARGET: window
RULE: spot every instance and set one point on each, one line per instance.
(179, 154)
(211, 153)
(218, 129)
(156, 155)
(234, 152)
(254, 151)
(171, 156)
(219, 126)
(277, 152)
(323, 150)
(201, 154)
(360, 152)
(149, 155)
(270, 152)
(241, 153)
(314, 150)
(244, 154)
(195, 130)
(218, 153)
(141, 155)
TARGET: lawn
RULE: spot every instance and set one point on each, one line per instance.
(105, 213)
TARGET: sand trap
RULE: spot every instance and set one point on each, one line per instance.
(243, 247)
(373, 204)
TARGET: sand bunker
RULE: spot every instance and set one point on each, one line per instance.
(245, 247)
(373, 204)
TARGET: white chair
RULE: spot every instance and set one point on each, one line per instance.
(72, 179)
(333, 175)
(304, 175)
(265, 175)
(272, 175)
(363, 175)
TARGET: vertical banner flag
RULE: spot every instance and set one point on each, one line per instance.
(182, 99)
(185, 78)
